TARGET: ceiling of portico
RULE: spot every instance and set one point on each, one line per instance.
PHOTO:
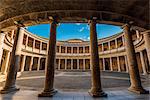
(32, 12)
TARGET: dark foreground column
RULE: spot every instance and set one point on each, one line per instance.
(49, 81)
(96, 89)
(132, 62)
(10, 85)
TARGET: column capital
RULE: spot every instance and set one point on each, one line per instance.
(92, 19)
(53, 20)
(19, 23)
(127, 25)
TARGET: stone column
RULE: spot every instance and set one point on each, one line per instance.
(23, 63)
(26, 42)
(77, 49)
(65, 64)
(111, 67)
(59, 49)
(147, 44)
(31, 63)
(118, 63)
(33, 48)
(59, 62)
(78, 64)
(143, 63)
(116, 43)
(103, 64)
(38, 67)
(83, 64)
(2, 37)
(5, 65)
(123, 40)
(49, 80)
(109, 45)
(12, 36)
(65, 49)
(102, 47)
(10, 84)
(40, 47)
(72, 50)
(126, 62)
(137, 34)
(135, 80)
(84, 49)
(96, 89)
(71, 64)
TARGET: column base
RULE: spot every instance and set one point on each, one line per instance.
(47, 93)
(8, 90)
(138, 90)
(97, 93)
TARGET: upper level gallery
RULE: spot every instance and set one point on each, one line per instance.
(34, 44)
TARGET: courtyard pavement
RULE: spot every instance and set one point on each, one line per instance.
(75, 86)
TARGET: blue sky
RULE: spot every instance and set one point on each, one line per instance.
(67, 31)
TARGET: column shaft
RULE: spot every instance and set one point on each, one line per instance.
(59, 62)
(13, 68)
(147, 44)
(71, 64)
(49, 80)
(65, 64)
(133, 66)
(137, 34)
(78, 64)
(2, 37)
(23, 63)
(103, 64)
(26, 42)
(84, 49)
(96, 89)
(126, 62)
(83, 64)
(116, 43)
(111, 67)
(59, 49)
(31, 64)
(40, 47)
(5, 67)
(118, 63)
(143, 63)
(102, 47)
(38, 67)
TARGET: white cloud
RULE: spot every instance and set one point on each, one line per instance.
(81, 29)
(85, 38)
(78, 24)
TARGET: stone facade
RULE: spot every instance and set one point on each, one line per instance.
(73, 54)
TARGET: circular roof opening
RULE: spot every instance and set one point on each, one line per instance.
(67, 31)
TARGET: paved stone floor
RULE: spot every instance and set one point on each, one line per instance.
(74, 86)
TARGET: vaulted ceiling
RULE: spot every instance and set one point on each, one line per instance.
(117, 12)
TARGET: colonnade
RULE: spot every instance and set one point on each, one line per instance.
(121, 65)
(96, 88)
(10, 84)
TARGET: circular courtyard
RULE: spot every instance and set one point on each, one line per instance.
(75, 80)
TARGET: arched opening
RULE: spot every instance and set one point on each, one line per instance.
(117, 13)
